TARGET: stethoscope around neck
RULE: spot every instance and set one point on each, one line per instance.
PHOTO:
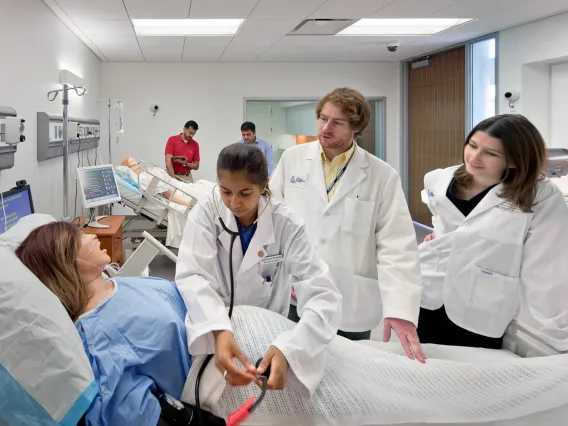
(234, 235)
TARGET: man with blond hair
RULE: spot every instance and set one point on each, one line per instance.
(356, 215)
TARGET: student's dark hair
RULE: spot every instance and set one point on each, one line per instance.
(248, 126)
(525, 157)
(191, 124)
(240, 157)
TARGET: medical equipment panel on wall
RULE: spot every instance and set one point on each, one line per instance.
(50, 135)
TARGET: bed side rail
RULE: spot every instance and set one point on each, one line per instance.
(151, 194)
(144, 254)
(525, 341)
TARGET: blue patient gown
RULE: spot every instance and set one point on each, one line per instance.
(135, 340)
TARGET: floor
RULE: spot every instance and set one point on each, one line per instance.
(163, 267)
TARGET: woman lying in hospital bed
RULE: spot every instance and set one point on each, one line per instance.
(133, 333)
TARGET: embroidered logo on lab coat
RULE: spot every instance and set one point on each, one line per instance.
(506, 205)
(298, 181)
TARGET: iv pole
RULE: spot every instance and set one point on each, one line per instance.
(109, 102)
(80, 91)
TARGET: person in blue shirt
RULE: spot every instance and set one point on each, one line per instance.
(248, 132)
(132, 328)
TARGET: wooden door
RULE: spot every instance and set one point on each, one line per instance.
(436, 122)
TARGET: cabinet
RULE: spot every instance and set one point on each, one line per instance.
(110, 238)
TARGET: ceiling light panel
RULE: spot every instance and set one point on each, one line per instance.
(400, 27)
(187, 27)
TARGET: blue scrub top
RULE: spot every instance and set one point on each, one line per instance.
(136, 342)
(247, 237)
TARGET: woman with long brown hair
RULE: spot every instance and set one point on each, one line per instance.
(500, 241)
(132, 328)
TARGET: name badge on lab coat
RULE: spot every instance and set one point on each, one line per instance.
(269, 260)
(298, 181)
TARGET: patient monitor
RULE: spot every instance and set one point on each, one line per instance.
(98, 187)
(14, 205)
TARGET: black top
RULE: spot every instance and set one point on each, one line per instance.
(465, 206)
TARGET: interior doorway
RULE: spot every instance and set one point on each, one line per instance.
(287, 122)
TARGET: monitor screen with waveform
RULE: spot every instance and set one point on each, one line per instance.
(98, 185)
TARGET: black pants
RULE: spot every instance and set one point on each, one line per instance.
(435, 327)
(351, 335)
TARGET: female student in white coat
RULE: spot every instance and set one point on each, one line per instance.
(271, 254)
(500, 241)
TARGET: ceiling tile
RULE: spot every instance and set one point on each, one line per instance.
(107, 26)
(348, 9)
(523, 13)
(262, 27)
(152, 9)
(100, 9)
(248, 48)
(205, 48)
(162, 48)
(412, 8)
(119, 48)
(222, 9)
(285, 9)
(475, 8)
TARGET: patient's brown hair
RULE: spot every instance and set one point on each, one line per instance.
(50, 252)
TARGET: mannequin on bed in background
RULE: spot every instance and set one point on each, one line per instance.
(143, 179)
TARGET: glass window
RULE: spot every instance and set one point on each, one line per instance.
(482, 80)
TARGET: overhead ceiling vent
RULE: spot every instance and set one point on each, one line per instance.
(321, 26)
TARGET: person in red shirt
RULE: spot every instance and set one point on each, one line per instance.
(182, 153)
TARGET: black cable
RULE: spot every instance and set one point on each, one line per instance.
(206, 362)
(264, 380)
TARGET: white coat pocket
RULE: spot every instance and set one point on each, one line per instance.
(493, 293)
(251, 290)
(432, 276)
(366, 295)
(358, 217)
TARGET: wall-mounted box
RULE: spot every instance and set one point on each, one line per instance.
(50, 135)
(7, 151)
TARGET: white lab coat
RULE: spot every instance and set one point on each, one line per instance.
(202, 276)
(365, 233)
(487, 265)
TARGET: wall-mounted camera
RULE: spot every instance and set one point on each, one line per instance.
(154, 108)
(512, 96)
(392, 46)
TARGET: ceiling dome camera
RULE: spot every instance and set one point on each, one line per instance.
(392, 46)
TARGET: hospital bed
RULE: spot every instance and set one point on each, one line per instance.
(155, 214)
(42, 318)
(520, 339)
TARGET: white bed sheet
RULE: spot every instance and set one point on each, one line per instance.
(366, 385)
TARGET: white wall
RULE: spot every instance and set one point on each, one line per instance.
(559, 105)
(35, 46)
(213, 94)
(525, 55)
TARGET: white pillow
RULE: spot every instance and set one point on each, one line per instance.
(49, 378)
(14, 236)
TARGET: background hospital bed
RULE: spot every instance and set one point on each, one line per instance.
(520, 339)
(155, 214)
